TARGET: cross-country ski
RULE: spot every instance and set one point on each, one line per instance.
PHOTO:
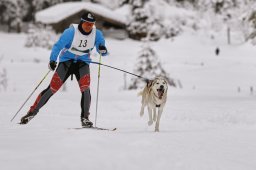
(94, 128)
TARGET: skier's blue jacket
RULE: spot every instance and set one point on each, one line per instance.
(61, 47)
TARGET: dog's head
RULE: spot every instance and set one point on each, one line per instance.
(159, 86)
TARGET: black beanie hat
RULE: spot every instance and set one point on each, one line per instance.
(88, 17)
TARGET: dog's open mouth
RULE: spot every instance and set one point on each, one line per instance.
(160, 92)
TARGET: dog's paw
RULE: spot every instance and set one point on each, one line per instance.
(156, 130)
(150, 122)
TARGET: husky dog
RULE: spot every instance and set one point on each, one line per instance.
(154, 96)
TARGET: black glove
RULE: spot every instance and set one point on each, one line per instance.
(52, 65)
(103, 49)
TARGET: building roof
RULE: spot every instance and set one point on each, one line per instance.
(59, 12)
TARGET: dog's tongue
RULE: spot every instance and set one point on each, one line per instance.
(160, 93)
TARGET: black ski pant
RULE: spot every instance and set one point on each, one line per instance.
(82, 72)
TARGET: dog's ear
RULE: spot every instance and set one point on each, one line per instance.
(166, 82)
(149, 83)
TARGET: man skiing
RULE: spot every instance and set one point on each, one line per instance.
(73, 49)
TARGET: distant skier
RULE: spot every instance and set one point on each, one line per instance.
(73, 49)
(217, 51)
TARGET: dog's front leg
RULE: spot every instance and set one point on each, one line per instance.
(160, 111)
(150, 122)
(142, 110)
(154, 112)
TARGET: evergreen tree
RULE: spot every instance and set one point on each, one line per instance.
(144, 21)
(40, 36)
(42, 4)
(148, 66)
(12, 13)
(138, 28)
(8, 13)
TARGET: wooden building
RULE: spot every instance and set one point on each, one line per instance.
(60, 16)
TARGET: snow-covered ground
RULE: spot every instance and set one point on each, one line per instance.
(206, 125)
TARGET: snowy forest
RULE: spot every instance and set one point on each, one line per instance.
(156, 19)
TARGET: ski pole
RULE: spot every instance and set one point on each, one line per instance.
(31, 94)
(98, 84)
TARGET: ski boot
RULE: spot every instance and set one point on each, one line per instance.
(25, 119)
(86, 123)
